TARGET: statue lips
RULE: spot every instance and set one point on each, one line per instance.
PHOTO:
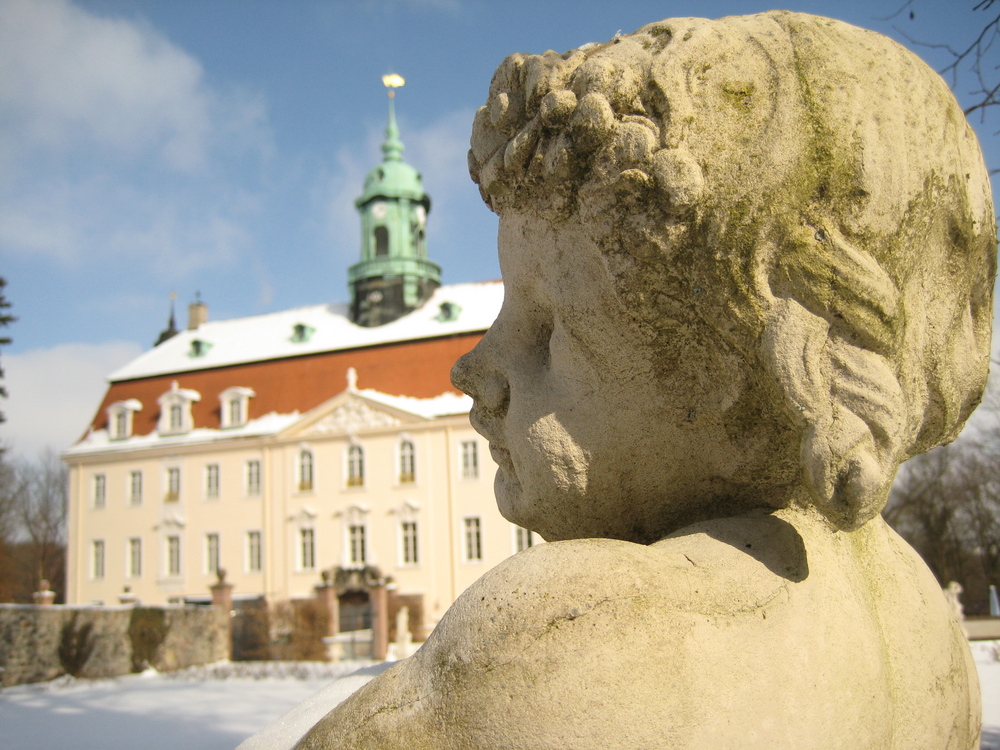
(483, 426)
(502, 457)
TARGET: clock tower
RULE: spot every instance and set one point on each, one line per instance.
(394, 275)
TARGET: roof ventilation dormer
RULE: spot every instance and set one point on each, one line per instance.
(449, 311)
(199, 348)
(301, 333)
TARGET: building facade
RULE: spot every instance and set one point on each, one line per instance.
(306, 442)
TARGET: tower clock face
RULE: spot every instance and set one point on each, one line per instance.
(378, 210)
(421, 214)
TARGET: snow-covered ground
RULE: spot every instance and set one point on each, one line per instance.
(217, 707)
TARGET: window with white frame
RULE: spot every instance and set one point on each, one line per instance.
(120, 418)
(523, 539)
(173, 555)
(253, 477)
(135, 557)
(173, 493)
(473, 540)
(234, 406)
(305, 470)
(97, 558)
(175, 410)
(135, 487)
(356, 552)
(100, 490)
(307, 549)
(212, 481)
(211, 553)
(355, 466)
(255, 560)
(470, 459)
(409, 553)
(407, 462)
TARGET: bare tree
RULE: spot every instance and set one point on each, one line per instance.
(924, 508)
(33, 503)
(42, 511)
(946, 504)
(8, 529)
(977, 58)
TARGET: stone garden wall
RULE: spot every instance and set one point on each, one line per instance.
(42, 643)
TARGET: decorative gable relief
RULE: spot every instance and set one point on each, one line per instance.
(171, 521)
(353, 415)
(304, 518)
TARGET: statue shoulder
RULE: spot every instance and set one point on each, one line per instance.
(574, 621)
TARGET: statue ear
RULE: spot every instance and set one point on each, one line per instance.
(849, 405)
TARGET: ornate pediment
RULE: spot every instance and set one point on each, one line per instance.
(352, 415)
(171, 520)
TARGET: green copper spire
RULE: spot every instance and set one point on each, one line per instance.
(394, 275)
(392, 147)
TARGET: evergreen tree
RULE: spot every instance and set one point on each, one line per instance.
(5, 319)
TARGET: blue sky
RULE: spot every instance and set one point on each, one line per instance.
(158, 146)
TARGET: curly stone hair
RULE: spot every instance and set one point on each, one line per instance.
(833, 180)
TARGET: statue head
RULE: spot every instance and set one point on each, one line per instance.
(800, 203)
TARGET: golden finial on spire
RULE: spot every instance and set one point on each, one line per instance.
(393, 81)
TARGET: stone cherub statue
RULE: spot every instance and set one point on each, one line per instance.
(749, 268)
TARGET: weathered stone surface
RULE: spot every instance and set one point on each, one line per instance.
(42, 643)
(748, 268)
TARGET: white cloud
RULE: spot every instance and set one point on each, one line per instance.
(115, 150)
(71, 76)
(53, 393)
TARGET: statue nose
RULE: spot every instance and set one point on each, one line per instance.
(488, 388)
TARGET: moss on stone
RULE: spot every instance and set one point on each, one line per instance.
(147, 630)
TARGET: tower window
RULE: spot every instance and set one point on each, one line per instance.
(381, 241)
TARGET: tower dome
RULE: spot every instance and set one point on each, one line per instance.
(394, 275)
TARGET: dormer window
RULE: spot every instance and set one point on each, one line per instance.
(199, 348)
(175, 410)
(120, 418)
(449, 311)
(234, 406)
(301, 333)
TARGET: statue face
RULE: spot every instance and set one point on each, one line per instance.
(593, 436)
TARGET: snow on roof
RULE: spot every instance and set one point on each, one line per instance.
(453, 309)
(439, 406)
(99, 441)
